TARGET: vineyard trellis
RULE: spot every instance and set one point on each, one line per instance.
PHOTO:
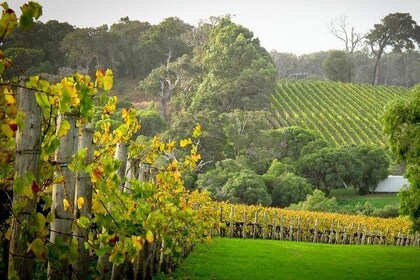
(244, 221)
(344, 114)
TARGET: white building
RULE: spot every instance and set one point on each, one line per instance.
(391, 184)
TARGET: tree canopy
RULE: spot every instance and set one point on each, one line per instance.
(401, 126)
(397, 30)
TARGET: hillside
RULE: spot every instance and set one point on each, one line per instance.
(343, 113)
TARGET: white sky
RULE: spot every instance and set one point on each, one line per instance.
(298, 26)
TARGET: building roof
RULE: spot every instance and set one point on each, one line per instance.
(391, 184)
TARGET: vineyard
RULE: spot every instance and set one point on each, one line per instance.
(343, 114)
(244, 221)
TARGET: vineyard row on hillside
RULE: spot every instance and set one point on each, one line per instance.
(344, 114)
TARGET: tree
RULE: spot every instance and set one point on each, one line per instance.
(339, 67)
(374, 168)
(213, 145)
(238, 72)
(129, 33)
(340, 29)
(398, 31)
(164, 80)
(317, 202)
(79, 46)
(162, 41)
(42, 36)
(151, 122)
(288, 142)
(246, 187)
(287, 188)
(401, 126)
(243, 130)
(286, 64)
(330, 168)
(234, 182)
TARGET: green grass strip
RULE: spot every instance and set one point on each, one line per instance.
(267, 259)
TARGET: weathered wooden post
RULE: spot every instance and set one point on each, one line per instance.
(121, 154)
(308, 221)
(265, 226)
(63, 192)
(274, 229)
(363, 235)
(143, 268)
(331, 235)
(254, 231)
(351, 234)
(291, 229)
(231, 221)
(281, 227)
(337, 233)
(299, 230)
(27, 155)
(316, 231)
(244, 227)
(83, 193)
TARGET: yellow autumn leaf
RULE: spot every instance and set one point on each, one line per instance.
(108, 79)
(149, 236)
(197, 131)
(66, 204)
(97, 207)
(9, 97)
(177, 175)
(196, 157)
(80, 202)
(137, 242)
(185, 142)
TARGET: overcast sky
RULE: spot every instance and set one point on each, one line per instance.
(299, 26)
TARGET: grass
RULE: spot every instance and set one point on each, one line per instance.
(271, 259)
(378, 200)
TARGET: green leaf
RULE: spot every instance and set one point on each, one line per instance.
(116, 257)
(52, 145)
(23, 186)
(102, 251)
(83, 222)
(30, 11)
(42, 99)
(38, 248)
(64, 128)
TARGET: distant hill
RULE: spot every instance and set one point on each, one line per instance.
(343, 113)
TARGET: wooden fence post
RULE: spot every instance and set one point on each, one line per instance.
(27, 154)
(265, 226)
(83, 191)
(316, 231)
(299, 230)
(244, 227)
(281, 227)
(291, 229)
(331, 237)
(274, 229)
(121, 154)
(254, 231)
(61, 226)
(231, 221)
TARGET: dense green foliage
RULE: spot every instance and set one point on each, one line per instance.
(339, 67)
(401, 126)
(267, 259)
(343, 114)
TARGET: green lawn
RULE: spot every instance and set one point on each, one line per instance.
(272, 259)
(378, 200)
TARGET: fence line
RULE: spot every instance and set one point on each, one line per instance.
(299, 230)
